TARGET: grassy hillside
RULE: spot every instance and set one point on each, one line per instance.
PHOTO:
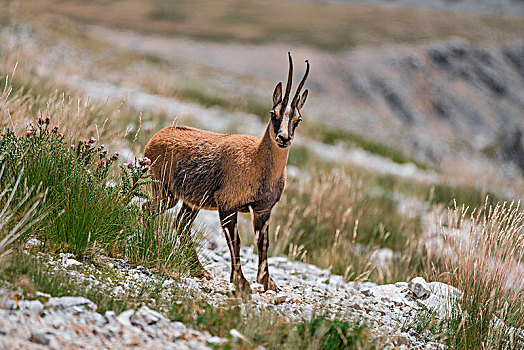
(63, 181)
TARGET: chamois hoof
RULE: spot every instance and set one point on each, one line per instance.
(270, 285)
(243, 289)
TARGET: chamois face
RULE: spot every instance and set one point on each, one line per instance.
(285, 114)
(285, 119)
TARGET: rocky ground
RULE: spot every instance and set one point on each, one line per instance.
(304, 291)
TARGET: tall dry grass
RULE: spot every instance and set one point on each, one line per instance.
(332, 220)
(484, 259)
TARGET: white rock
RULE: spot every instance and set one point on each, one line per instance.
(216, 341)
(44, 338)
(72, 264)
(33, 306)
(32, 243)
(145, 317)
(236, 335)
(70, 302)
(124, 318)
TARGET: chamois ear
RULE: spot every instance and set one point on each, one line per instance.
(302, 100)
(277, 94)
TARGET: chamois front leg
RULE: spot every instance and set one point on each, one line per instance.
(228, 220)
(261, 226)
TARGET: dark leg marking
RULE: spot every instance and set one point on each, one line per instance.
(261, 227)
(228, 220)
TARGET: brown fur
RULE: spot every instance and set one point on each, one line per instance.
(228, 173)
(208, 170)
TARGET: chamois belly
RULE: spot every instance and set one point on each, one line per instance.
(195, 181)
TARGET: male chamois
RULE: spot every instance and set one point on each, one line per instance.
(229, 173)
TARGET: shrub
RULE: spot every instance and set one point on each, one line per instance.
(83, 211)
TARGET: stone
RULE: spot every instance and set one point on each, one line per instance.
(3, 330)
(71, 302)
(32, 243)
(419, 288)
(124, 317)
(9, 304)
(72, 264)
(216, 341)
(33, 306)
(44, 338)
(145, 317)
(236, 335)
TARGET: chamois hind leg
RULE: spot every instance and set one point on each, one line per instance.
(228, 220)
(185, 218)
(261, 227)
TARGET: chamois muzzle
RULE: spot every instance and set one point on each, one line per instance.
(283, 141)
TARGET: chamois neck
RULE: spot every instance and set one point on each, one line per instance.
(272, 154)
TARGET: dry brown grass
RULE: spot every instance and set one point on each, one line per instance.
(331, 220)
(328, 26)
(486, 262)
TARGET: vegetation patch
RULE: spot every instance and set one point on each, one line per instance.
(483, 258)
(328, 218)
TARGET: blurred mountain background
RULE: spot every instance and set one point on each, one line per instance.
(440, 83)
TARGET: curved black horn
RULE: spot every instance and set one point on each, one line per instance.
(289, 81)
(297, 94)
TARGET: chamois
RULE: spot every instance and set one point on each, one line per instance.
(229, 173)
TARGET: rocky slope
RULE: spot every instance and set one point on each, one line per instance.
(304, 291)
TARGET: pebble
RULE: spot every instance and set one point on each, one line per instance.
(419, 288)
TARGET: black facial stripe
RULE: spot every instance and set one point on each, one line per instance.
(276, 123)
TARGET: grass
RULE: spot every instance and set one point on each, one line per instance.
(333, 219)
(485, 249)
(336, 218)
(82, 209)
(330, 220)
(328, 26)
(17, 215)
(83, 214)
